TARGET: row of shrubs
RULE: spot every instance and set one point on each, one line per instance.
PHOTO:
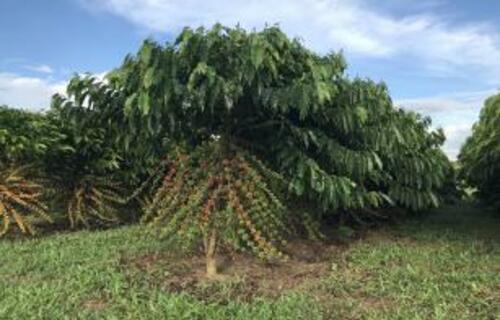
(233, 137)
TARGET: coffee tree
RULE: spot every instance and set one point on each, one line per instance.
(480, 155)
(260, 119)
(24, 139)
(84, 175)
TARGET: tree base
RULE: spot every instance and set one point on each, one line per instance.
(211, 267)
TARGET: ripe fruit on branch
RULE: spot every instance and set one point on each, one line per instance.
(232, 206)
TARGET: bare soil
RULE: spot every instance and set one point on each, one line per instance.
(243, 276)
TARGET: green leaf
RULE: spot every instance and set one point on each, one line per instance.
(144, 103)
(256, 52)
(298, 187)
(362, 114)
(130, 104)
(150, 77)
(146, 52)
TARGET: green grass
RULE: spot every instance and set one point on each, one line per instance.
(443, 266)
(446, 266)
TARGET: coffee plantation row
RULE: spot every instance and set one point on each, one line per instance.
(234, 139)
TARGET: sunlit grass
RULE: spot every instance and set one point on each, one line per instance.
(443, 266)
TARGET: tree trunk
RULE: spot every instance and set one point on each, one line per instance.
(210, 239)
(210, 248)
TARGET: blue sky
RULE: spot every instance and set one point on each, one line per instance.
(438, 57)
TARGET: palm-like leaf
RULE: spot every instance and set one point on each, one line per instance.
(19, 198)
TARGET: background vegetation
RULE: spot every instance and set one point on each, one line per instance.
(480, 155)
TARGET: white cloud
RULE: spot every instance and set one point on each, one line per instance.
(455, 137)
(42, 68)
(28, 92)
(452, 102)
(455, 113)
(355, 26)
(33, 93)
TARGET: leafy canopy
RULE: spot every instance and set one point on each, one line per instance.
(480, 155)
(262, 119)
(338, 142)
(25, 137)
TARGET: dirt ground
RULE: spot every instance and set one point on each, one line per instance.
(243, 276)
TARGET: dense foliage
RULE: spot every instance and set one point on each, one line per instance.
(69, 165)
(25, 138)
(84, 174)
(330, 143)
(237, 138)
(340, 142)
(480, 155)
